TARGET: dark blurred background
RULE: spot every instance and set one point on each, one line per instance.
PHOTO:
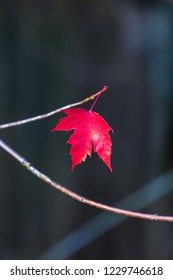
(53, 53)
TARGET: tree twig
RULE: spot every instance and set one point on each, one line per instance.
(40, 117)
(58, 186)
(76, 196)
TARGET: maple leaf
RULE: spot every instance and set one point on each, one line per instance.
(90, 129)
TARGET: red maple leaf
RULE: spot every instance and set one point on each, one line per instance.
(90, 129)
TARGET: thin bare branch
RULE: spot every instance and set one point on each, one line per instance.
(40, 117)
(77, 197)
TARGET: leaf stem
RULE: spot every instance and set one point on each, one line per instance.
(47, 115)
(99, 94)
(63, 189)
